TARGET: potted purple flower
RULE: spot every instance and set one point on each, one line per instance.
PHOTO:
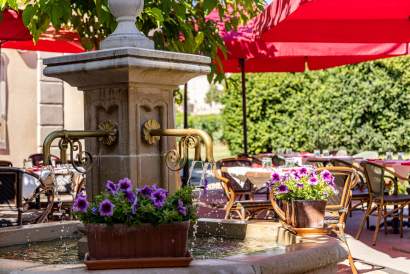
(304, 193)
(126, 223)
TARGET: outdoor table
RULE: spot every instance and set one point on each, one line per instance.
(30, 183)
(400, 167)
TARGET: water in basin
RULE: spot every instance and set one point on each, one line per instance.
(65, 251)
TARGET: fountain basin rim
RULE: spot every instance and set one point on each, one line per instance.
(300, 258)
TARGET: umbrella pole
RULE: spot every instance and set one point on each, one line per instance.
(185, 171)
(244, 124)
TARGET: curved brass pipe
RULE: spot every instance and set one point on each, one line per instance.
(70, 134)
(183, 132)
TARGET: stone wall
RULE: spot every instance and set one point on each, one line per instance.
(35, 105)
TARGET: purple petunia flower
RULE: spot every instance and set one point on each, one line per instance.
(327, 176)
(313, 180)
(130, 195)
(81, 204)
(111, 187)
(295, 174)
(125, 184)
(145, 191)
(303, 171)
(134, 206)
(106, 208)
(282, 189)
(275, 177)
(181, 208)
(158, 197)
(299, 185)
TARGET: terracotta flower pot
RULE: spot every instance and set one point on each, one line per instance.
(307, 214)
(120, 241)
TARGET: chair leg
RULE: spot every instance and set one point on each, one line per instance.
(401, 222)
(228, 208)
(408, 215)
(385, 219)
(350, 257)
(243, 213)
(379, 218)
(365, 218)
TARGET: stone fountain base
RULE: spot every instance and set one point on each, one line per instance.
(298, 255)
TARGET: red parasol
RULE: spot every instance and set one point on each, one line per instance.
(293, 35)
(13, 34)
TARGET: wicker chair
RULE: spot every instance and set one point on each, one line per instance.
(337, 208)
(360, 194)
(16, 209)
(234, 192)
(376, 176)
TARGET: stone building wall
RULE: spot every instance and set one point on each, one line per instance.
(35, 105)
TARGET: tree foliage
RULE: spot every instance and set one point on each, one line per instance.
(358, 107)
(177, 25)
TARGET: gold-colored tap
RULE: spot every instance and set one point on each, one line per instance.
(190, 138)
(107, 133)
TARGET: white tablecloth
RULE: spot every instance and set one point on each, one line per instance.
(30, 184)
(258, 176)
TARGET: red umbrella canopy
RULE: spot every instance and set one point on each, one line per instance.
(15, 35)
(292, 51)
(335, 21)
(52, 41)
(12, 27)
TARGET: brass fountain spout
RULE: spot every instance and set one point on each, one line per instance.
(106, 133)
(190, 138)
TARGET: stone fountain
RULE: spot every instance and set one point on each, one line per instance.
(128, 83)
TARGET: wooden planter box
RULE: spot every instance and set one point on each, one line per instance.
(144, 245)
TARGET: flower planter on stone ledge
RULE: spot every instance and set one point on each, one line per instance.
(140, 241)
(144, 245)
(135, 228)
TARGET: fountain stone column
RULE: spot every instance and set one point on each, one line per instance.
(129, 86)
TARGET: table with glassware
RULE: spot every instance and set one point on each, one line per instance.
(63, 178)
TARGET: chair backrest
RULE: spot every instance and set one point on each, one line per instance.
(277, 160)
(375, 178)
(317, 162)
(38, 158)
(234, 162)
(6, 163)
(345, 179)
(357, 167)
(9, 186)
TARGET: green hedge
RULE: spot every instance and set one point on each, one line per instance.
(358, 107)
(210, 123)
